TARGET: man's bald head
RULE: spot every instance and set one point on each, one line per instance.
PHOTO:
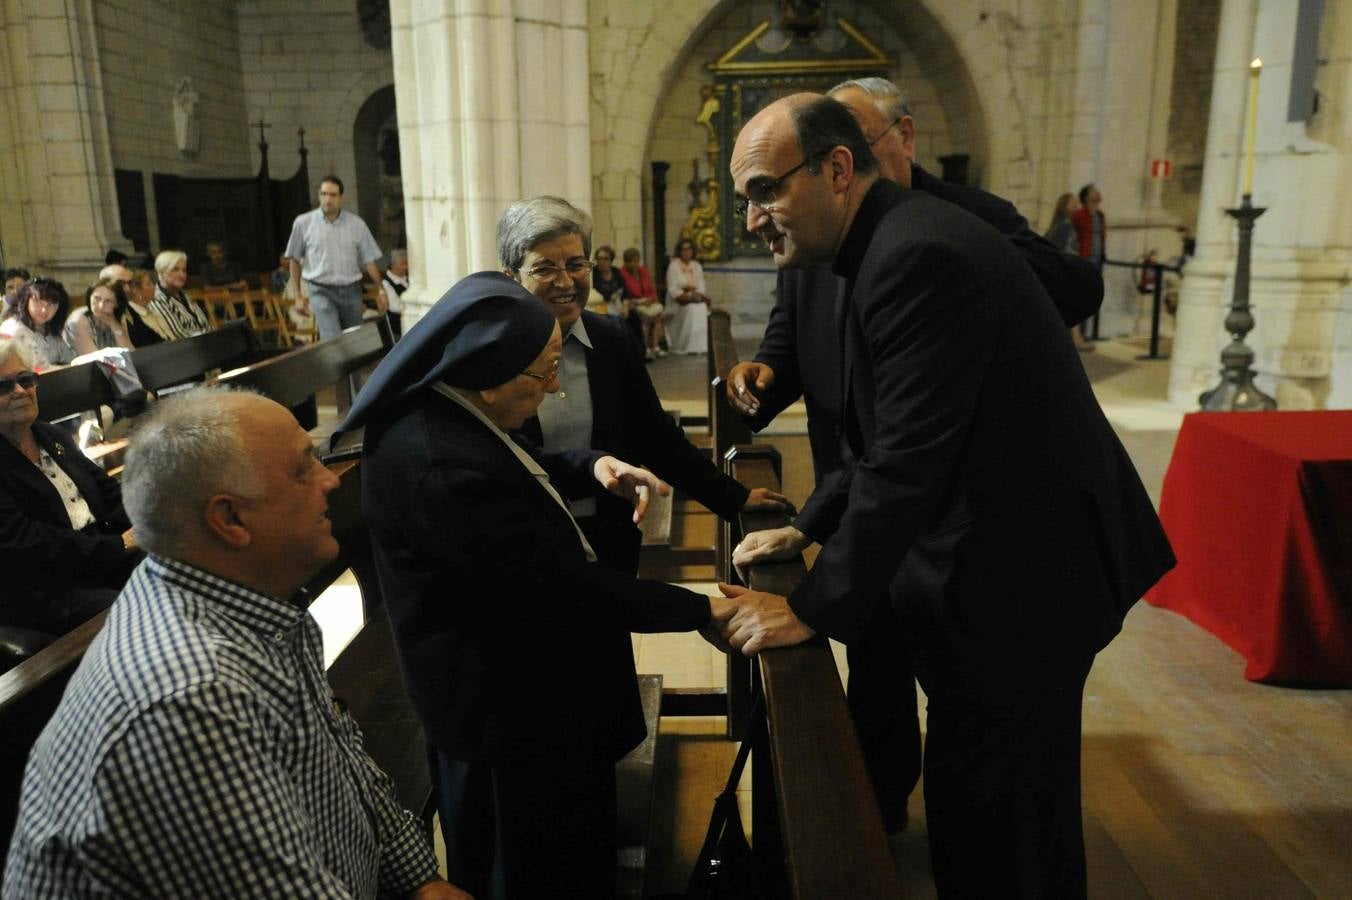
(802, 165)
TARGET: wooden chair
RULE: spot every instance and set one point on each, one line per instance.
(308, 334)
(266, 317)
(223, 304)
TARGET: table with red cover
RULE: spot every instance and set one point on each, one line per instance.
(1258, 508)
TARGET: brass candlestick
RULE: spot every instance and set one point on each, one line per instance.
(1236, 392)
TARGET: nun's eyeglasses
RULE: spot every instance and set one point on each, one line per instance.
(550, 373)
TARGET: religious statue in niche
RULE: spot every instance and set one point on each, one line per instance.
(187, 133)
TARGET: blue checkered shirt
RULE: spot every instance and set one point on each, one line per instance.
(198, 752)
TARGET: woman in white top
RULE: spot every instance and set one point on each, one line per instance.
(687, 303)
(99, 324)
(42, 305)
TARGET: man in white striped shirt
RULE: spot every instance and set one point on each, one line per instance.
(198, 751)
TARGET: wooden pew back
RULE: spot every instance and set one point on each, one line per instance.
(178, 362)
(813, 805)
(71, 390)
(293, 377)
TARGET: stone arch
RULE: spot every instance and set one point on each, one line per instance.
(642, 60)
(343, 163)
(376, 176)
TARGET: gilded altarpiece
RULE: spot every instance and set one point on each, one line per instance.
(770, 62)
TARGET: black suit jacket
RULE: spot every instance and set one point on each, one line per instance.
(512, 645)
(985, 465)
(628, 422)
(40, 553)
(802, 343)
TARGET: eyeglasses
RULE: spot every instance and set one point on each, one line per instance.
(762, 193)
(895, 123)
(43, 301)
(25, 380)
(576, 268)
(553, 371)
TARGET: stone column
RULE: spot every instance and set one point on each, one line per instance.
(1299, 292)
(57, 177)
(1122, 98)
(493, 106)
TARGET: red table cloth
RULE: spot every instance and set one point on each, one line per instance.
(1258, 507)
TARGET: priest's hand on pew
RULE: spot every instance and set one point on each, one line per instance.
(761, 621)
(771, 545)
(746, 383)
(440, 890)
(765, 499)
(630, 482)
(720, 610)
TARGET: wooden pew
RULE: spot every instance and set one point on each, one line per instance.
(293, 378)
(76, 389)
(813, 806)
(816, 822)
(72, 390)
(173, 363)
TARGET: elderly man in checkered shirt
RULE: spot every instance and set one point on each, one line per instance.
(197, 751)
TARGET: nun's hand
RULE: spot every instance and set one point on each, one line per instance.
(630, 482)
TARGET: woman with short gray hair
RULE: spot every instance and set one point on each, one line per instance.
(606, 400)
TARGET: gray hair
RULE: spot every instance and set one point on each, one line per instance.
(530, 222)
(887, 97)
(166, 260)
(186, 449)
(10, 348)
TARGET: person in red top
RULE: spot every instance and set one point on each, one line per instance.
(642, 294)
(1090, 225)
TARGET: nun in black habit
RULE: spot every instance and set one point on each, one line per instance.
(513, 642)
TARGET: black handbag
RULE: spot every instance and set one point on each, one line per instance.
(726, 868)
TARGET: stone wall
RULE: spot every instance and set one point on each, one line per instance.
(678, 139)
(145, 47)
(307, 64)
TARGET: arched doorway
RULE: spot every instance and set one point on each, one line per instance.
(375, 153)
(916, 52)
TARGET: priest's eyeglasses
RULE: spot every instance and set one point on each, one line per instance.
(550, 373)
(761, 193)
(576, 268)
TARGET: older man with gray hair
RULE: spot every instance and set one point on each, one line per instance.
(198, 751)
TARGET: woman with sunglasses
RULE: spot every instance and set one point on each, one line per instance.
(42, 309)
(66, 546)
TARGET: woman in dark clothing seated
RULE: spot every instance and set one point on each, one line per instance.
(65, 543)
(607, 402)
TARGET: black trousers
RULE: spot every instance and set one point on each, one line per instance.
(881, 696)
(544, 828)
(1002, 771)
